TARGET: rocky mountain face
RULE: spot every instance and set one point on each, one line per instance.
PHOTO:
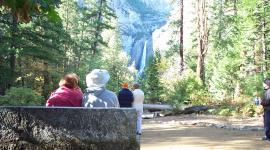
(138, 19)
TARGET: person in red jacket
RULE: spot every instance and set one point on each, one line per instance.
(68, 94)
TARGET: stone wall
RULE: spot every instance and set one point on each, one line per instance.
(67, 128)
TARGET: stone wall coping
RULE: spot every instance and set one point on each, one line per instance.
(44, 107)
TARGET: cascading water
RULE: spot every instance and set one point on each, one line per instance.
(143, 60)
(137, 20)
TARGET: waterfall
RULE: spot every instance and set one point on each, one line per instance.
(137, 20)
(143, 60)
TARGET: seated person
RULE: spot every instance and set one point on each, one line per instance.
(96, 94)
(68, 94)
(125, 96)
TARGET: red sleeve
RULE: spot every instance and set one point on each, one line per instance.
(52, 99)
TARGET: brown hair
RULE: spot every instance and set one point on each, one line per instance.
(70, 80)
(136, 85)
(267, 82)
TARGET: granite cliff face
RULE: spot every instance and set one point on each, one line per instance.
(138, 19)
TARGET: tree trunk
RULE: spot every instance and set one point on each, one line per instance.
(263, 38)
(2, 84)
(21, 70)
(66, 60)
(202, 38)
(12, 54)
(181, 50)
(265, 68)
(200, 67)
(221, 14)
(98, 27)
(47, 80)
(80, 50)
(235, 7)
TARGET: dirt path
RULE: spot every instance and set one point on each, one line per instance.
(169, 135)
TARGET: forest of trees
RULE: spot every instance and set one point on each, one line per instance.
(230, 54)
(228, 60)
(41, 41)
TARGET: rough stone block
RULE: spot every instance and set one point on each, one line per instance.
(67, 128)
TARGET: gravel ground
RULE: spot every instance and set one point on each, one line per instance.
(202, 132)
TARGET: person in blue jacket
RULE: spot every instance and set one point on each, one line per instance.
(125, 96)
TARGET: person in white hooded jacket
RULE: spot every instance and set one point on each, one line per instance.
(138, 105)
(96, 94)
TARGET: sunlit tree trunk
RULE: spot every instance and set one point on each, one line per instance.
(202, 38)
(181, 50)
(261, 24)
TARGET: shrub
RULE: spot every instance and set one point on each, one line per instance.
(21, 97)
(187, 90)
(225, 112)
(253, 84)
(248, 110)
(241, 106)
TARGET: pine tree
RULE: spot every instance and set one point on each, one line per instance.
(152, 85)
(102, 17)
(179, 24)
(12, 18)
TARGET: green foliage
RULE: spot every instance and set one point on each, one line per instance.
(236, 65)
(253, 84)
(21, 97)
(243, 106)
(115, 60)
(187, 90)
(23, 9)
(248, 110)
(31, 45)
(43, 49)
(225, 112)
(40, 43)
(151, 80)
